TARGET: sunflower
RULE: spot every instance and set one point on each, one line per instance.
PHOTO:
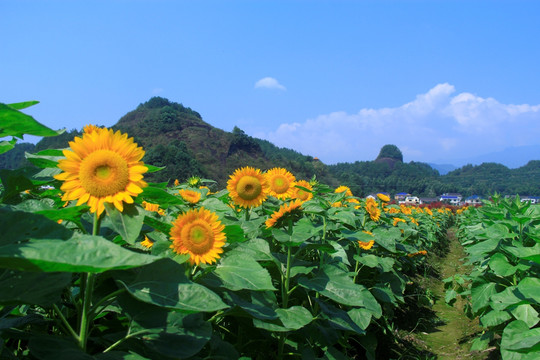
(281, 183)
(383, 197)
(421, 252)
(91, 128)
(302, 194)
(285, 210)
(147, 243)
(198, 233)
(153, 207)
(190, 196)
(102, 166)
(397, 220)
(344, 189)
(428, 210)
(366, 245)
(372, 209)
(176, 182)
(194, 181)
(247, 187)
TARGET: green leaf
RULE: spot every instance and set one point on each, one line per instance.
(293, 318)
(127, 223)
(340, 319)
(20, 287)
(481, 293)
(82, 253)
(518, 337)
(384, 264)
(43, 161)
(158, 196)
(494, 317)
(16, 123)
(23, 105)
(482, 342)
(54, 347)
(164, 284)
(18, 226)
(361, 317)
(337, 285)
(154, 223)
(240, 271)
(14, 182)
(500, 265)
(152, 168)
(5, 145)
(258, 249)
(234, 233)
(168, 334)
(262, 305)
(530, 288)
(506, 298)
(527, 314)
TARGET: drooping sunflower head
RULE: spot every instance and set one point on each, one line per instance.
(152, 207)
(383, 197)
(281, 183)
(147, 243)
(247, 187)
(190, 196)
(302, 194)
(372, 209)
(366, 245)
(200, 234)
(344, 189)
(288, 211)
(102, 166)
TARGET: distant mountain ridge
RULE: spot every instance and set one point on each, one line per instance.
(176, 137)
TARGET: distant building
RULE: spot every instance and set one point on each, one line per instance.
(532, 199)
(428, 200)
(473, 200)
(401, 196)
(451, 198)
(411, 200)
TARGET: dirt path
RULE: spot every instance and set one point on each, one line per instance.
(451, 335)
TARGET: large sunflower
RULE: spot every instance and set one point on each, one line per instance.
(285, 210)
(247, 187)
(281, 183)
(102, 166)
(198, 233)
(302, 194)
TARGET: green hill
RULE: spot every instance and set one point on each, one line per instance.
(178, 138)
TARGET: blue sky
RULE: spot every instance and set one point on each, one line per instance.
(440, 79)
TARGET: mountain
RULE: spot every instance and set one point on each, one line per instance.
(512, 157)
(443, 169)
(177, 137)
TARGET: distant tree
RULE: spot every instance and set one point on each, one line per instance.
(390, 151)
(178, 161)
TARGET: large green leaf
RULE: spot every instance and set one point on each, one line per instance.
(481, 293)
(494, 317)
(262, 306)
(518, 337)
(14, 182)
(166, 334)
(54, 347)
(83, 253)
(15, 123)
(293, 318)
(18, 226)
(339, 319)
(500, 265)
(127, 223)
(527, 314)
(164, 284)
(19, 287)
(43, 161)
(240, 271)
(337, 285)
(506, 298)
(258, 249)
(530, 288)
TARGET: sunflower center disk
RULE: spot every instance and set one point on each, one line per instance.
(200, 237)
(280, 185)
(104, 173)
(248, 187)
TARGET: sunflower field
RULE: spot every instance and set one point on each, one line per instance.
(96, 263)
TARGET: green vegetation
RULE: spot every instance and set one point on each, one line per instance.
(176, 137)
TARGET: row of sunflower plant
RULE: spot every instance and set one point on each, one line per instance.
(96, 263)
(502, 241)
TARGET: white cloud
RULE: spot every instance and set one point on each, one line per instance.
(436, 125)
(269, 83)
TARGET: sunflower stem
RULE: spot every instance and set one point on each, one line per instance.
(88, 283)
(65, 322)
